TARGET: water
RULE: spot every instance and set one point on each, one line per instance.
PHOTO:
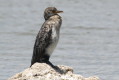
(89, 40)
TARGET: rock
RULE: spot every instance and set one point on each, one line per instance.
(42, 71)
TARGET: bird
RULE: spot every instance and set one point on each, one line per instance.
(48, 36)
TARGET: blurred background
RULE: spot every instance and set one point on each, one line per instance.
(89, 40)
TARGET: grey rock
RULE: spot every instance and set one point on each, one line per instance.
(42, 71)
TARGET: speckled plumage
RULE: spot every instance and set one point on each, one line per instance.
(47, 37)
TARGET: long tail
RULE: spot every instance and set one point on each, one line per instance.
(36, 55)
(33, 60)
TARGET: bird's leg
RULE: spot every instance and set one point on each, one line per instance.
(49, 63)
(55, 67)
(46, 60)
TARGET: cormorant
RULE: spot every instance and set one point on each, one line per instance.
(48, 36)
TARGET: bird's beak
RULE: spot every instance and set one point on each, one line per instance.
(58, 12)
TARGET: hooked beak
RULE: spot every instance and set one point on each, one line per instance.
(58, 12)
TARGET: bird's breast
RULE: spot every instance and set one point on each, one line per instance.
(54, 35)
(54, 41)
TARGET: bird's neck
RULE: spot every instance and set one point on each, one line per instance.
(55, 17)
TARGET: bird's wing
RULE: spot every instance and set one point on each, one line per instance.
(42, 42)
(44, 36)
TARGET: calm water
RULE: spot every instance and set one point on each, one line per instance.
(89, 40)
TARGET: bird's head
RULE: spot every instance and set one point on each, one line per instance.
(50, 11)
